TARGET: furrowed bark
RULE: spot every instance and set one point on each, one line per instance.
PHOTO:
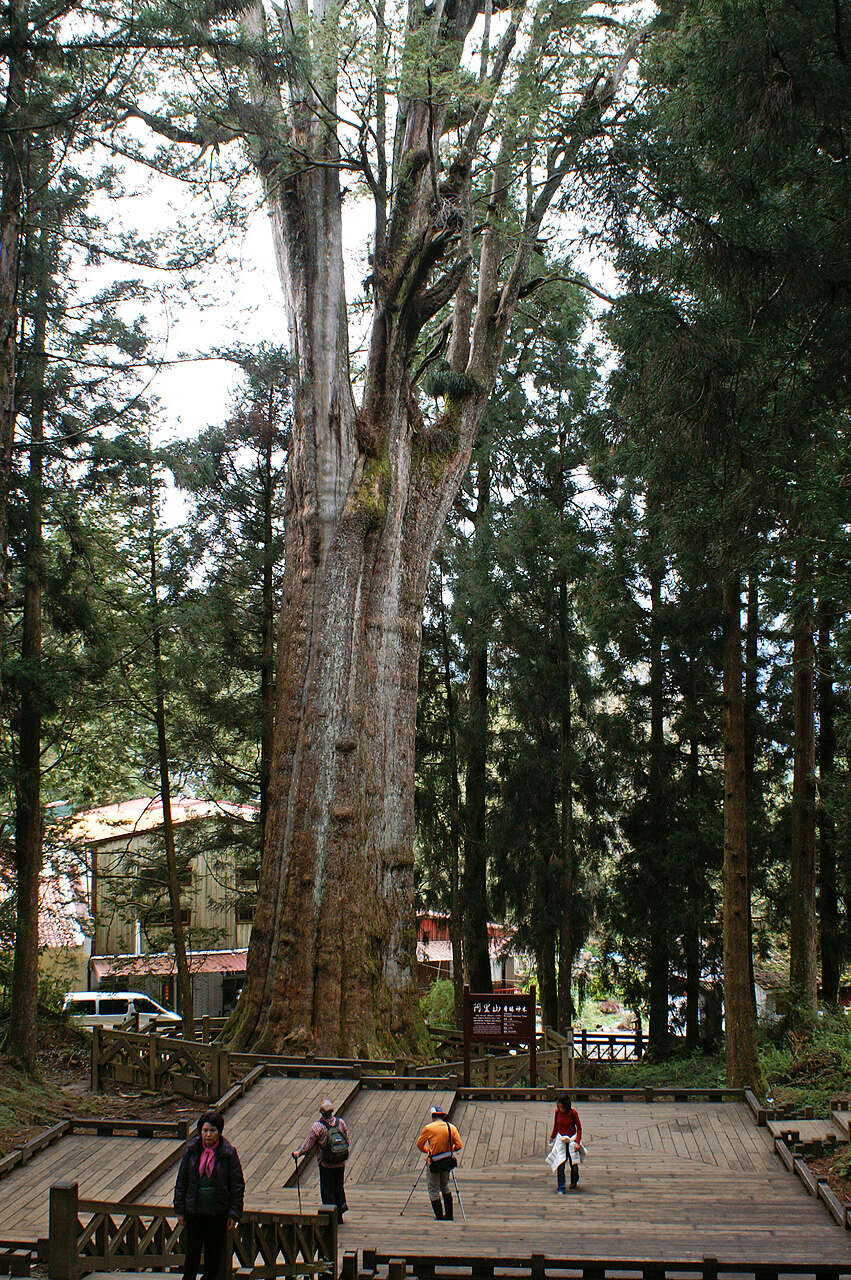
(331, 953)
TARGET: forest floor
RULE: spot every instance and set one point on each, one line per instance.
(61, 1090)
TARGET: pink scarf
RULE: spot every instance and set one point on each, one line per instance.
(205, 1164)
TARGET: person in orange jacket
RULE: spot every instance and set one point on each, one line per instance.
(439, 1140)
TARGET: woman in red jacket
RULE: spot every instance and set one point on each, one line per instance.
(566, 1125)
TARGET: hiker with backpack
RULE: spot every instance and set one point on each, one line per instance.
(331, 1138)
(440, 1140)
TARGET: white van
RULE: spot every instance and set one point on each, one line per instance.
(111, 1008)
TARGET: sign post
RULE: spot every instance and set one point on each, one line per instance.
(504, 1017)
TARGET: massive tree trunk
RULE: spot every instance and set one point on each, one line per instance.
(331, 954)
(803, 966)
(831, 934)
(740, 1021)
(659, 960)
(476, 950)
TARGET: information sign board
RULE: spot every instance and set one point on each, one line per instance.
(504, 1017)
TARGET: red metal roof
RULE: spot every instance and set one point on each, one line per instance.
(129, 818)
(162, 963)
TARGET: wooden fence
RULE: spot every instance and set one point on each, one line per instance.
(378, 1266)
(204, 1071)
(99, 1235)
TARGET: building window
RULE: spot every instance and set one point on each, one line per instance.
(245, 913)
(161, 918)
(248, 873)
(153, 877)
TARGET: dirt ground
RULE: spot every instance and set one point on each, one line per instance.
(28, 1105)
(840, 1186)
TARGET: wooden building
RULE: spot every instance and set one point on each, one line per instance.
(121, 854)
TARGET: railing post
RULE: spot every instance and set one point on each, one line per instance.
(224, 1072)
(710, 1269)
(639, 1039)
(349, 1268)
(537, 1267)
(396, 1269)
(214, 1084)
(62, 1231)
(584, 1042)
(97, 1048)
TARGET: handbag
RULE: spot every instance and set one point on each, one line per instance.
(447, 1161)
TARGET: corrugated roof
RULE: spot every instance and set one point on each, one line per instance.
(162, 963)
(132, 817)
(63, 919)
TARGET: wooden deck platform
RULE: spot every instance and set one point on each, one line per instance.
(807, 1130)
(105, 1168)
(664, 1180)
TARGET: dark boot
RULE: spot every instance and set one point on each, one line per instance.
(438, 1210)
(447, 1206)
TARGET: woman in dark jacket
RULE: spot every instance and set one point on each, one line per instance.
(208, 1196)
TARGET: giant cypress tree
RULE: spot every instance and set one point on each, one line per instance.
(372, 473)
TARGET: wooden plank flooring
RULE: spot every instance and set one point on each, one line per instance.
(666, 1180)
(265, 1126)
(808, 1130)
(105, 1168)
(663, 1180)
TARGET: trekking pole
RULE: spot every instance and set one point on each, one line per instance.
(413, 1189)
(297, 1183)
(458, 1194)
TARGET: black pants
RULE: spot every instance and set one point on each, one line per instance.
(205, 1232)
(331, 1188)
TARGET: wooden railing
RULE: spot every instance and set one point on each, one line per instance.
(98, 1235)
(206, 1071)
(539, 1266)
(160, 1063)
